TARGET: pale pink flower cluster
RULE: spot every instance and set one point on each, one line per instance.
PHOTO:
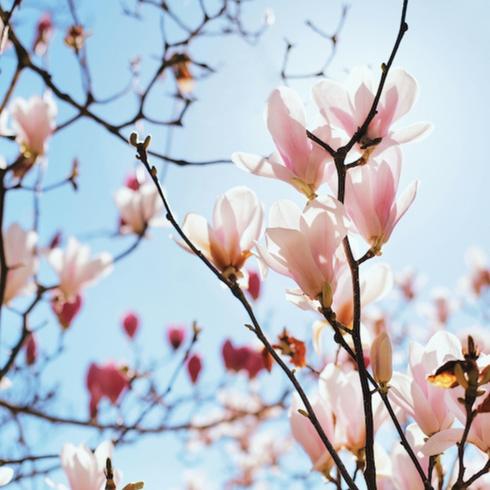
(74, 266)
(338, 405)
(304, 244)
(424, 402)
(438, 414)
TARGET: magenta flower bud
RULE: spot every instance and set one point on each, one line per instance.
(194, 367)
(105, 381)
(130, 323)
(132, 182)
(254, 284)
(31, 349)
(175, 336)
(66, 311)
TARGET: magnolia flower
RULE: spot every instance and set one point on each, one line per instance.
(479, 434)
(139, 208)
(33, 123)
(347, 105)
(20, 249)
(404, 472)
(105, 381)
(382, 359)
(421, 400)
(303, 245)
(370, 200)
(375, 283)
(83, 468)
(343, 391)
(236, 225)
(298, 160)
(76, 269)
(306, 435)
(6, 475)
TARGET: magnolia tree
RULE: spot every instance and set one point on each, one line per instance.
(370, 400)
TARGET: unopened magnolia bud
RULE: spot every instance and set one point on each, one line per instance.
(381, 359)
(326, 296)
(147, 142)
(133, 138)
(130, 323)
(194, 367)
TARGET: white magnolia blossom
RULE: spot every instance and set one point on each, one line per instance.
(6, 475)
(83, 468)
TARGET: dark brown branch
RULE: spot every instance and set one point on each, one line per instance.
(358, 135)
(238, 293)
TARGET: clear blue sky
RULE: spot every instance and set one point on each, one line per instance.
(446, 49)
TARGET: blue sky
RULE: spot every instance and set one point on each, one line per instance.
(446, 49)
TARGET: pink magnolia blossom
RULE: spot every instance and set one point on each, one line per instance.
(342, 391)
(76, 269)
(298, 160)
(83, 468)
(139, 207)
(105, 381)
(426, 403)
(370, 200)
(306, 435)
(33, 123)
(375, 283)
(303, 245)
(229, 239)
(404, 473)
(20, 255)
(479, 434)
(347, 105)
